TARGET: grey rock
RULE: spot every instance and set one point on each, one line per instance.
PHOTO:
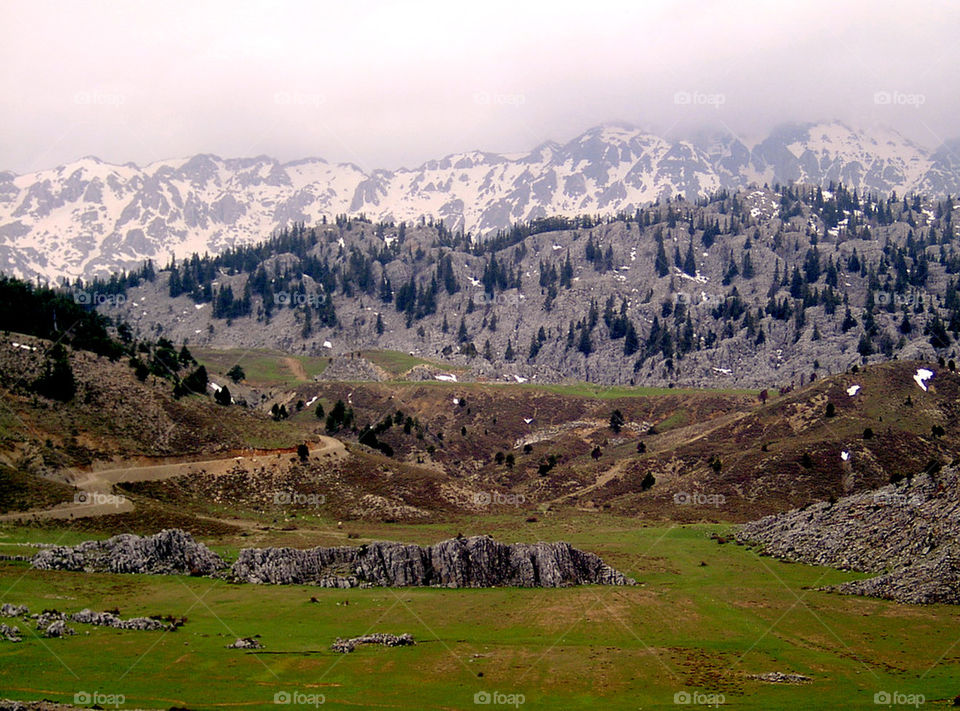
(907, 533)
(345, 646)
(58, 629)
(170, 552)
(10, 634)
(478, 561)
(8, 610)
(245, 643)
(781, 678)
(108, 619)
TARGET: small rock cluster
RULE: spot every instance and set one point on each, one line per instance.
(907, 533)
(108, 619)
(478, 561)
(53, 623)
(781, 678)
(10, 634)
(170, 552)
(245, 643)
(345, 646)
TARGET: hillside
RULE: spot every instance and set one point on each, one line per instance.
(757, 289)
(906, 532)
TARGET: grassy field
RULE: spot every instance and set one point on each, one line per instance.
(705, 617)
(262, 367)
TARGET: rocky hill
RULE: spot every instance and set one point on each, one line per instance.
(754, 288)
(907, 532)
(478, 561)
(91, 218)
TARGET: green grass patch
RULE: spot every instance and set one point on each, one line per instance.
(705, 617)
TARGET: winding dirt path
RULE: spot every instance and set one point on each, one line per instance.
(95, 495)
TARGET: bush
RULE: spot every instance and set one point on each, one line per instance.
(648, 481)
(868, 433)
(831, 409)
(302, 451)
(222, 396)
(616, 421)
(236, 374)
(57, 381)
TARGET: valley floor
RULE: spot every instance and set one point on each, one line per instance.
(707, 616)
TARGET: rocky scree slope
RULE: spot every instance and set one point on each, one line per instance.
(908, 533)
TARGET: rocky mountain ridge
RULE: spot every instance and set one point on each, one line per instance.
(89, 218)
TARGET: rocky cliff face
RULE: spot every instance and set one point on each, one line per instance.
(459, 562)
(170, 552)
(478, 561)
(907, 532)
(88, 217)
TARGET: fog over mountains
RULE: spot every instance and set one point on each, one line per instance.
(89, 218)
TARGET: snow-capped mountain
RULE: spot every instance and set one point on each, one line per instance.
(89, 217)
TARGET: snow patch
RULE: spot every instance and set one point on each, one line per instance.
(922, 376)
(853, 390)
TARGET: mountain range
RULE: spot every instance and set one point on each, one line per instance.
(90, 218)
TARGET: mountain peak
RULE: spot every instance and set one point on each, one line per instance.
(204, 203)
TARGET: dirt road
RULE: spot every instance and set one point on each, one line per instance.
(95, 495)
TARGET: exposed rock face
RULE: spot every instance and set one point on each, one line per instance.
(345, 646)
(478, 561)
(170, 552)
(353, 368)
(909, 532)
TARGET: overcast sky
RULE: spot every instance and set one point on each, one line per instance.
(385, 84)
